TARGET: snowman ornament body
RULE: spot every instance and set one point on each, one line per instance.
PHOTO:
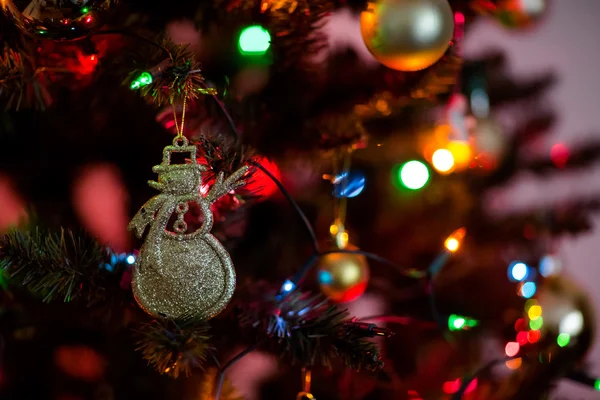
(180, 274)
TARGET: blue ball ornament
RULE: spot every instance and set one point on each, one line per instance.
(349, 184)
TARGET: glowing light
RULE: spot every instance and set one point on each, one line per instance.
(349, 184)
(88, 19)
(517, 271)
(537, 324)
(514, 364)
(144, 79)
(530, 303)
(288, 286)
(254, 40)
(572, 323)
(451, 387)
(522, 338)
(130, 259)
(85, 10)
(325, 277)
(456, 323)
(534, 312)
(550, 265)
(563, 339)
(454, 241)
(559, 154)
(528, 289)
(461, 152)
(414, 175)
(260, 184)
(533, 336)
(442, 160)
(520, 325)
(511, 349)
(597, 384)
(452, 244)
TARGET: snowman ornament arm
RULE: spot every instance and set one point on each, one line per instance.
(223, 186)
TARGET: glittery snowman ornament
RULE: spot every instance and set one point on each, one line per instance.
(180, 274)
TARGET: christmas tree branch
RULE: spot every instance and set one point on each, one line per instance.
(63, 265)
(174, 347)
(309, 330)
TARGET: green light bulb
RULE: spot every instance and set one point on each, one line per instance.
(455, 322)
(144, 79)
(597, 384)
(254, 40)
(472, 323)
(536, 324)
(563, 339)
(414, 175)
(85, 10)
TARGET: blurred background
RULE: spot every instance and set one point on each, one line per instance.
(93, 148)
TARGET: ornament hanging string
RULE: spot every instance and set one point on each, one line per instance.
(179, 128)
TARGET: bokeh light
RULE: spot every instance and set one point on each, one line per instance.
(518, 271)
(572, 323)
(528, 289)
(514, 364)
(559, 154)
(414, 175)
(511, 349)
(461, 152)
(563, 339)
(533, 336)
(534, 312)
(522, 338)
(442, 160)
(536, 324)
(254, 40)
(550, 265)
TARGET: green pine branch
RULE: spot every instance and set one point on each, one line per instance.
(174, 348)
(309, 330)
(56, 265)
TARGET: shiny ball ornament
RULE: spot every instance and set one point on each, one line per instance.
(520, 14)
(407, 35)
(568, 317)
(57, 19)
(343, 277)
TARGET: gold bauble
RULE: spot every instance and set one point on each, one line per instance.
(57, 19)
(343, 277)
(566, 310)
(407, 35)
(519, 14)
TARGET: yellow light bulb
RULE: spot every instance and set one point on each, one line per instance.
(454, 241)
(452, 244)
(462, 153)
(534, 312)
(443, 160)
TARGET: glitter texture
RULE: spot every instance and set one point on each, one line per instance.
(178, 274)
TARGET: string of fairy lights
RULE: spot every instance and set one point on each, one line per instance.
(455, 154)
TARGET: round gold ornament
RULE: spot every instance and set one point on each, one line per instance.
(343, 277)
(57, 19)
(519, 14)
(180, 274)
(567, 315)
(407, 35)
